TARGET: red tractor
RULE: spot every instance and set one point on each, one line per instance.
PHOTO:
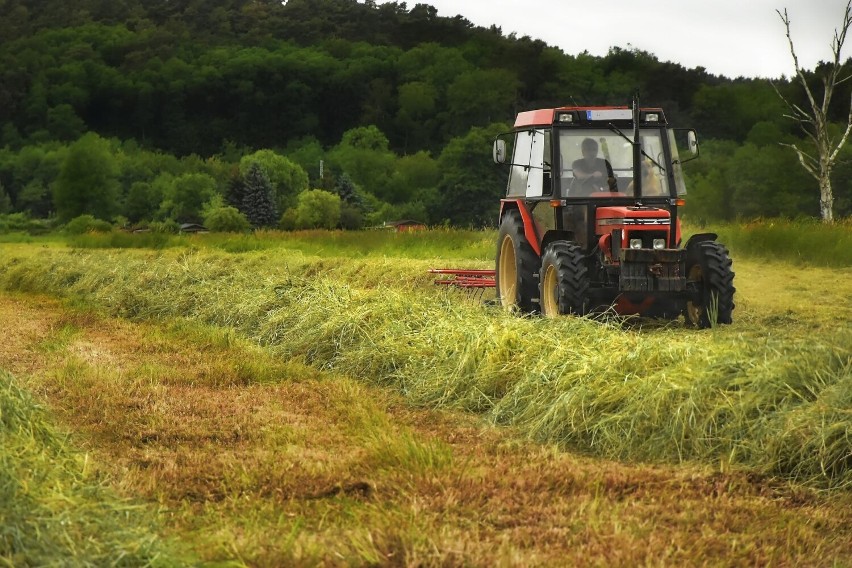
(590, 220)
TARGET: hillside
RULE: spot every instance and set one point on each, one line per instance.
(221, 78)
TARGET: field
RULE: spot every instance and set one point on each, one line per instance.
(312, 399)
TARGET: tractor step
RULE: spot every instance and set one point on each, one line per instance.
(465, 278)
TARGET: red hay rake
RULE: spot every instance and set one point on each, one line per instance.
(474, 281)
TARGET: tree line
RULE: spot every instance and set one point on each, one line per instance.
(398, 103)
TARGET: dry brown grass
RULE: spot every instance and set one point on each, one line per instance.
(267, 463)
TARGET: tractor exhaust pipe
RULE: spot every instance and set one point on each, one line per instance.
(637, 153)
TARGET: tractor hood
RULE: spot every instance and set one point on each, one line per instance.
(607, 218)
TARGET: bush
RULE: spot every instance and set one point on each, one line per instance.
(317, 209)
(87, 224)
(288, 220)
(169, 226)
(351, 218)
(21, 223)
(226, 220)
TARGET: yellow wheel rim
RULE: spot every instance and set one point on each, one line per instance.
(550, 293)
(508, 273)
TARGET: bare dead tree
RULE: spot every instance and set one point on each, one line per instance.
(814, 123)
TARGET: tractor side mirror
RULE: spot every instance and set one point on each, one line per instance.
(499, 151)
(684, 145)
(692, 142)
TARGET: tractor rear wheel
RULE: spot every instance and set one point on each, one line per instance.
(564, 278)
(708, 268)
(516, 265)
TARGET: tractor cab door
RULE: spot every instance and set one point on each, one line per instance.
(530, 175)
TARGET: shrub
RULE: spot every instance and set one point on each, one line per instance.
(351, 217)
(288, 220)
(169, 226)
(226, 220)
(317, 209)
(86, 224)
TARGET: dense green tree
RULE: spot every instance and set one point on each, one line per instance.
(5, 201)
(481, 97)
(288, 179)
(259, 203)
(35, 199)
(63, 123)
(471, 184)
(236, 191)
(317, 209)
(414, 176)
(88, 180)
(364, 154)
(186, 196)
(141, 202)
(308, 152)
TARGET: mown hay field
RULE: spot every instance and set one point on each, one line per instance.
(770, 393)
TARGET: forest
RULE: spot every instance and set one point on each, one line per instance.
(338, 113)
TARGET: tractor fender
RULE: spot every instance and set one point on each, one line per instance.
(694, 240)
(529, 223)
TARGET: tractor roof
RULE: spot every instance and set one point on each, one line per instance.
(589, 116)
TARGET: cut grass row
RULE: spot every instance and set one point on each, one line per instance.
(253, 460)
(775, 404)
(803, 242)
(53, 509)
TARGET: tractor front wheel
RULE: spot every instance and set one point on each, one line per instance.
(709, 271)
(564, 280)
(516, 265)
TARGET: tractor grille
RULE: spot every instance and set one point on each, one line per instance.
(644, 270)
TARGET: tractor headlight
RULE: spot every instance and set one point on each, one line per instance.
(659, 244)
(635, 243)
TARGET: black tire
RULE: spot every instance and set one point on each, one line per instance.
(564, 279)
(517, 264)
(708, 268)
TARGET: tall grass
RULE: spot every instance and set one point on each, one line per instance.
(443, 243)
(777, 405)
(806, 241)
(52, 511)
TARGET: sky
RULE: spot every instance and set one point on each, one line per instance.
(734, 38)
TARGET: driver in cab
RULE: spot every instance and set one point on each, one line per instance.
(591, 173)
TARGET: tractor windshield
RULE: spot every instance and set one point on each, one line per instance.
(598, 162)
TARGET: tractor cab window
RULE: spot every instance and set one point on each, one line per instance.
(531, 174)
(599, 163)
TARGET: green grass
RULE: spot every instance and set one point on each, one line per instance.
(773, 403)
(804, 242)
(443, 243)
(253, 458)
(54, 512)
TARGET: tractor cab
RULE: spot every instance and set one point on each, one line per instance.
(590, 217)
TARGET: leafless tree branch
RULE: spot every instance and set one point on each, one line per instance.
(815, 124)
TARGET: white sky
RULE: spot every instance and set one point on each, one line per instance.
(727, 37)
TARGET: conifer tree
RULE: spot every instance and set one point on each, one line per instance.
(259, 198)
(347, 190)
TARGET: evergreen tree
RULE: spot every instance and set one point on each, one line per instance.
(348, 191)
(259, 198)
